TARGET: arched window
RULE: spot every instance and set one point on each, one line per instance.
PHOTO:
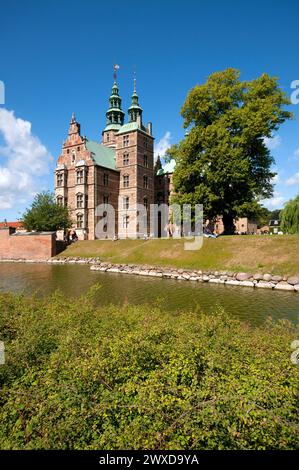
(145, 202)
(59, 200)
(145, 182)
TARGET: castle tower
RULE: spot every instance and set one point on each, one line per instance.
(115, 117)
(135, 161)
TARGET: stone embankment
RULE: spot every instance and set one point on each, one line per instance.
(258, 280)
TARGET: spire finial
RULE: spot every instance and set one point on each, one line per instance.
(115, 68)
(134, 79)
(73, 117)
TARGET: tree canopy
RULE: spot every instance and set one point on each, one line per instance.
(46, 215)
(223, 161)
(290, 216)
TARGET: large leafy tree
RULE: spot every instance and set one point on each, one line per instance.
(290, 216)
(223, 161)
(46, 215)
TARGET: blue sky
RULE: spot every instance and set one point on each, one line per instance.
(57, 57)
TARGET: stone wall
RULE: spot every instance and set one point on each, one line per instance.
(32, 245)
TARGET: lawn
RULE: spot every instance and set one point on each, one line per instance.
(273, 254)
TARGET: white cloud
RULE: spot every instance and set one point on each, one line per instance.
(163, 145)
(293, 180)
(275, 202)
(296, 153)
(23, 161)
(276, 179)
(272, 142)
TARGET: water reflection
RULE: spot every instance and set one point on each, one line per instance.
(246, 303)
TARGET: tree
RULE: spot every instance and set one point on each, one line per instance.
(223, 161)
(46, 215)
(290, 216)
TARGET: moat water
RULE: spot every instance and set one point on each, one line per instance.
(251, 304)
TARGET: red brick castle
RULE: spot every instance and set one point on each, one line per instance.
(118, 172)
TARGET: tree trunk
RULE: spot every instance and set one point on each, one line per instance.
(229, 226)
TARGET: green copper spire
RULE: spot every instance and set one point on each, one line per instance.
(115, 115)
(135, 111)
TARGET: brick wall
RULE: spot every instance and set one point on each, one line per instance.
(26, 245)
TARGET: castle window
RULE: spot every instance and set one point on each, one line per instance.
(145, 142)
(105, 179)
(106, 199)
(73, 157)
(126, 159)
(78, 148)
(86, 201)
(108, 137)
(145, 202)
(126, 203)
(126, 181)
(145, 182)
(80, 176)
(125, 221)
(59, 179)
(68, 151)
(80, 201)
(145, 160)
(79, 220)
(59, 200)
(126, 140)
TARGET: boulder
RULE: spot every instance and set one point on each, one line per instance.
(247, 283)
(284, 286)
(293, 280)
(296, 287)
(242, 276)
(276, 278)
(265, 285)
(267, 277)
(233, 282)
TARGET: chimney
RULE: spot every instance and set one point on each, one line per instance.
(150, 128)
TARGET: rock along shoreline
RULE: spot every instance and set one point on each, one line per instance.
(255, 280)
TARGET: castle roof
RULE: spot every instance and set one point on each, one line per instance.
(102, 156)
(131, 126)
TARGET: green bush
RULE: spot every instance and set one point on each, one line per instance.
(81, 376)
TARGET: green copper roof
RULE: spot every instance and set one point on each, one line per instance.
(131, 126)
(102, 156)
(112, 127)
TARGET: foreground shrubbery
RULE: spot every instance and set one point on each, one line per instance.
(81, 376)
